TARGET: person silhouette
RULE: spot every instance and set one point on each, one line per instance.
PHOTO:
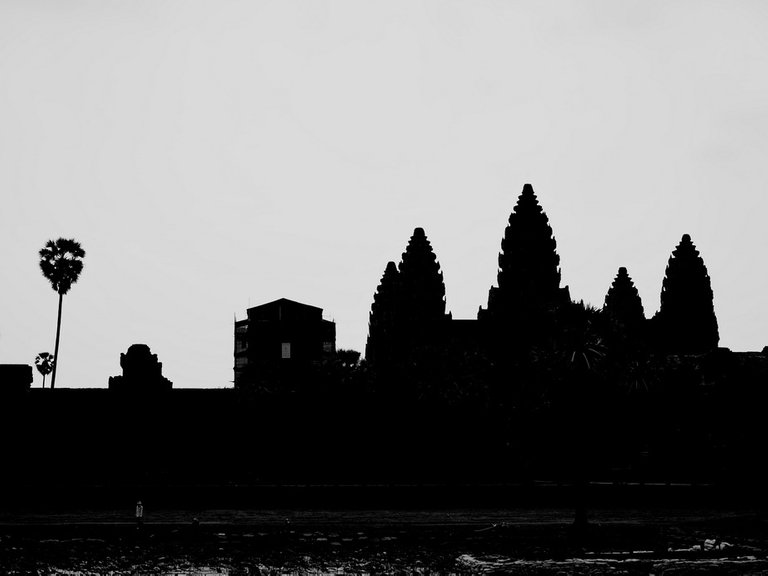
(139, 514)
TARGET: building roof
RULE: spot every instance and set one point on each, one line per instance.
(284, 301)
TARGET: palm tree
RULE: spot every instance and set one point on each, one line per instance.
(61, 263)
(44, 363)
(583, 354)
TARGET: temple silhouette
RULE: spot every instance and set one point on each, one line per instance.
(142, 372)
(538, 387)
(529, 309)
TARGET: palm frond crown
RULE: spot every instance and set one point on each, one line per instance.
(61, 263)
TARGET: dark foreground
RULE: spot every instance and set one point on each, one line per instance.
(511, 541)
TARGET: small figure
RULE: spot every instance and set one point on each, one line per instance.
(139, 514)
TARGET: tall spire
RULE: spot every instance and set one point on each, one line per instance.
(422, 281)
(383, 318)
(687, 321)
(409, 305)
(622, 302)
(529, 273)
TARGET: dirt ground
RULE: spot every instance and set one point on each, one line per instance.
(518, 541)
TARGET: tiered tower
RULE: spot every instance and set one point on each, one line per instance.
(686, 322)
(623, 305)
(528, 276)
(408, 308)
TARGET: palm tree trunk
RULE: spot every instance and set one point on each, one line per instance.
(56, 349)
(43, 380)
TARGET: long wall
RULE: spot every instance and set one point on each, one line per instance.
(704, 426)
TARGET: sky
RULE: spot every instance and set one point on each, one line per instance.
(211, 156)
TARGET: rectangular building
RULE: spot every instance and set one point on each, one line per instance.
(278, 337)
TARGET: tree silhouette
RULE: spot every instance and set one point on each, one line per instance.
(686, 321)
(582, 355)
(44, 363)
(623, 307)
(61, 263)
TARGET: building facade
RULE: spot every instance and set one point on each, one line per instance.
(280, 337)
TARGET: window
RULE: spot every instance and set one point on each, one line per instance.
(286, 350)
(241, 338)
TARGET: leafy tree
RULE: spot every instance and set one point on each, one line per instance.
(44, 363)
(340, 378)
(686, 322)
(582, 355)
(579, 338)
(61, 262)
(348, 358)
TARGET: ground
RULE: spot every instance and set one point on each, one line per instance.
(508, 541)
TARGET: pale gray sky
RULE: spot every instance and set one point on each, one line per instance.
(209, 155)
